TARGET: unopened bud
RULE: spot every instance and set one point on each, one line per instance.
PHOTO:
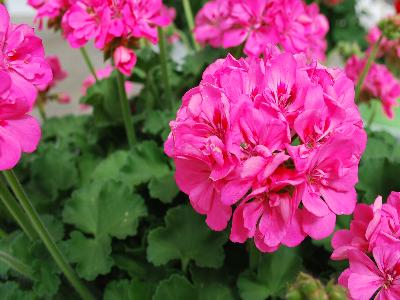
(390, 27)
(336, 292)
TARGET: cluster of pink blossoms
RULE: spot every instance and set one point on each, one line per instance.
(372, 246)
(292, 24)
(379, 84)
(278, 139)
(390, 48)
(111, 24)
(23, 70)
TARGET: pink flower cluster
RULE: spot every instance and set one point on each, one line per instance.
(386, 46)
(50, 9)
(375, 231)
(112, 24)
(23, 69)
(104, 20)
(292, 24)
(276, 139)
(380, 83)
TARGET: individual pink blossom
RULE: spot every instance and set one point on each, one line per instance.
(22, 62)
(372, 225)
(213, 19)
(147, 15)
(125, 59)
(64, 98)
(84, 22)
(59, 74)
(292, 24)
(377, 277)
(23, 68)
(378, 84)
(272, 139)
(102, 74)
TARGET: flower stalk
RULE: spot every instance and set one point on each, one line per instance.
(15, 210)
(45, 236)
(41, 108)
(164, 66)
(126, 112)
(364, 73)
(89, 63)
(190, 21)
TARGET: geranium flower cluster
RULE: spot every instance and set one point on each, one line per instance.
(292, 24)
(372, 246)
(114, 25)
(278, 140)
(379, 84)
(23, 69)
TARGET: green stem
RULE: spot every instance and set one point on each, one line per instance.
(364, 73)
(164, 66)
(126, 112)
(190, 21)
(16, 264)
(15, 210)
(254, 257)
(89, 63)
(45, 236)
(373, 115)
(40, 106)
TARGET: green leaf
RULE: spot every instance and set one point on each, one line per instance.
(53, 171)
(214, 291)
(92, 256)
(157, 121)
(164, 188)
(105, 209)
(48, 281)
(34, 254)
(103, 96)
(174, 288)
(186, 237)
(54, 226)
(378, 176)
(146, 161)
(129, 290)
(111, 166)
(275, 271)
(11, 291)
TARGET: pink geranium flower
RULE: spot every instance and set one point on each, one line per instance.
(102, 21)
(23, 68)
(51, 9)
(379, 84)
(378, 277)
(273, 137)
(125, 59)
(290, 23)
(372, 225)
(59, 74)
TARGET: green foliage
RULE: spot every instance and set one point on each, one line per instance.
(379, 167)
(274, 272)
(177, 241)
(103, 96)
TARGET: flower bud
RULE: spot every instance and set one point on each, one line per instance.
(125, 59)
(335, 292)
(390, 27)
